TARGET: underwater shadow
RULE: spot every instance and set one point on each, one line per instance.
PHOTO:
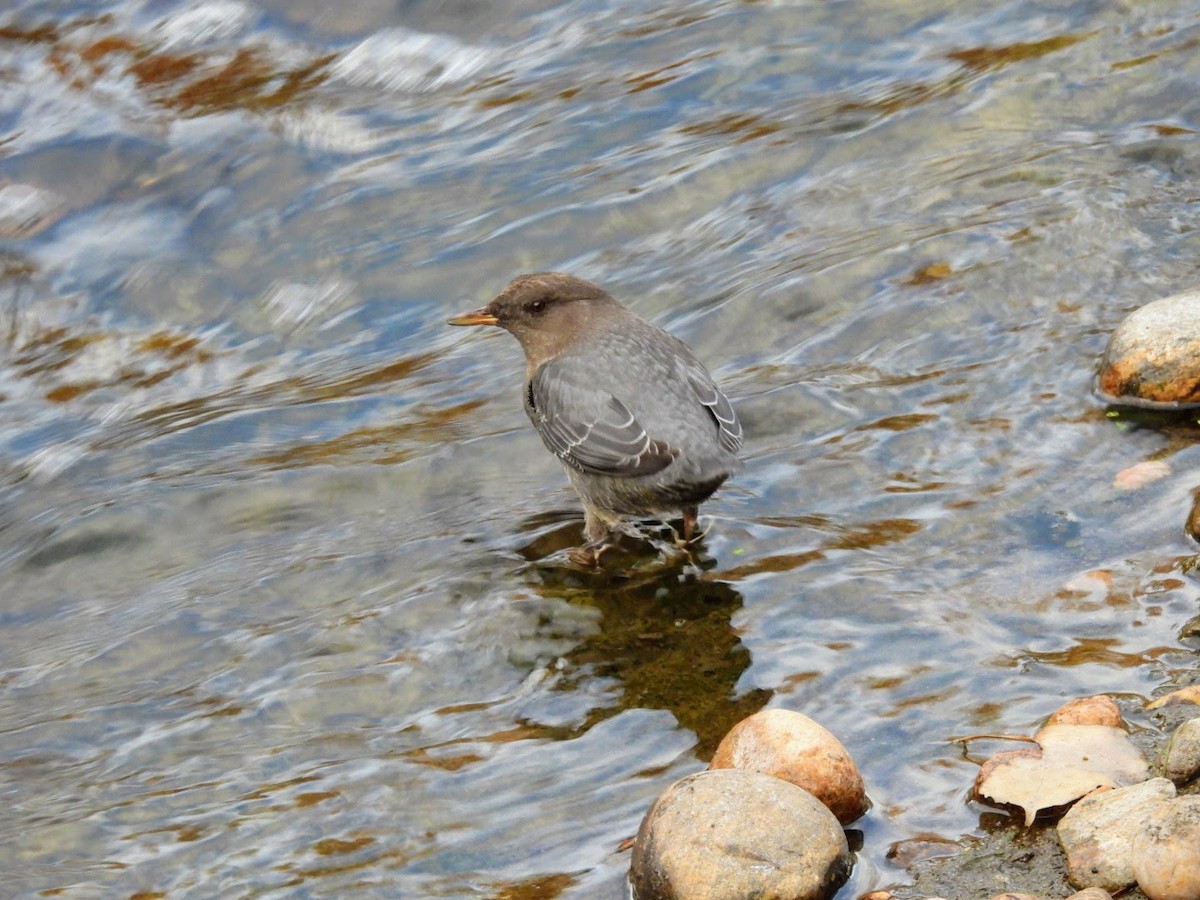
(666, 632)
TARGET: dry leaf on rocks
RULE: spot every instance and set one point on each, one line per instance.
(1073, 760)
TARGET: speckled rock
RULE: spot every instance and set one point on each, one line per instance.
(1183, 753)
(791, 746)
(728, 834)
(1166, 854)
(1097, 833)
(1153, 357)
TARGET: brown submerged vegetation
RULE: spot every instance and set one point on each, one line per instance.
(192, 84)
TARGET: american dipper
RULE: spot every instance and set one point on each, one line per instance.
(637, 421)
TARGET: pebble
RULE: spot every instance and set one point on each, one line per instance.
(727, 834)
(791, 746)
(1183, 753)
(1086, 894)
(1166, 854)
(1097, 833)
(1153, 357)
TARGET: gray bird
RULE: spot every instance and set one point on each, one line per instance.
(637, 421)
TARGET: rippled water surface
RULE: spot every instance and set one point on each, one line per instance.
(282, 605)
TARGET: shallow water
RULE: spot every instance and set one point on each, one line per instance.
(281, 609)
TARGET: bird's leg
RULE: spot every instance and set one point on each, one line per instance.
(597, 533)
(690, 516)
(595, 529)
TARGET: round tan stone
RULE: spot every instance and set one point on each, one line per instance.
(791, 746)
(1166, 854)
(1153, 357)
(1098, 710)
(1182, 762)
(1099, 831)
(731, 834)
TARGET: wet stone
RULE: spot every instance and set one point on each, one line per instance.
(1153, 357)
(908, 853)
(728, 833)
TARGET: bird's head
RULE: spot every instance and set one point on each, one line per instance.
(546, 312)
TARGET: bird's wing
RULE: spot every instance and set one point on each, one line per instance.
(588, 428)
(718, 406)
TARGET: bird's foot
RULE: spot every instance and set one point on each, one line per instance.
(588, 555)
(685, 542)
(691, 536)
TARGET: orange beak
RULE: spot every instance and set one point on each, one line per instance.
(476, 317)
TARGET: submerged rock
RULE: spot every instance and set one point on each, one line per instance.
(729, 834)
(1153, 357)
(791, 746)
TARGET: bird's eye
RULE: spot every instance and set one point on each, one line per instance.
(537, 307)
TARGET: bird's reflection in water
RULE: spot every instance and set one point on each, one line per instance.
(665, 631)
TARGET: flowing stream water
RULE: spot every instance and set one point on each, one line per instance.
(282, 608)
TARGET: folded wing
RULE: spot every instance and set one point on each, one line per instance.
(590, 429)
(719, 407)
